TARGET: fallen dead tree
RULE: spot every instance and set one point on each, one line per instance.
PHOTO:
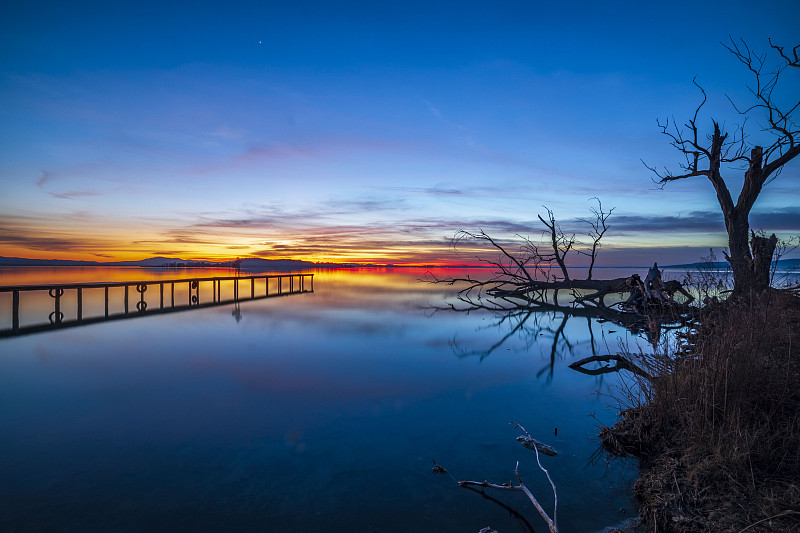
(536, 277)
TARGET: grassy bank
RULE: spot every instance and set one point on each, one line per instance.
(717, 431)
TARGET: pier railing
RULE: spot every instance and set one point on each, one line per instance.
(137, 301)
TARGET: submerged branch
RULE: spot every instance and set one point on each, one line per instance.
(520, 486)
(621, 363)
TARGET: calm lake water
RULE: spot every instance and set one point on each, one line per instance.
(320, 411)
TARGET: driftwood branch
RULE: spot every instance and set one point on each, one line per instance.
(552, 523)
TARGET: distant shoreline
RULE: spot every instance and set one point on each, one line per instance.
(258, 264)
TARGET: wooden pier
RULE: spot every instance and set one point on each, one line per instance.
(224, 290)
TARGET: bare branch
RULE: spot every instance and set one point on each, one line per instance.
(552, 524)
(599, 228)
(790, 61)
(560, 243)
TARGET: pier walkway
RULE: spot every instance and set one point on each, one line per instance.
(133, 299)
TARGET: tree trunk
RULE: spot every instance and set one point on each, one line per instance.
(739, 252)
(763, 249)
(750, 255)
(751, 261)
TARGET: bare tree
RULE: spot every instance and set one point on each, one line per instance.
(749, 254)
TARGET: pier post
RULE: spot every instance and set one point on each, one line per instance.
(161, 287)
(56, 315)
(141, 305)
(80, 304)
(126, 299)
(106, 291)
(252, 288)
(15, 311)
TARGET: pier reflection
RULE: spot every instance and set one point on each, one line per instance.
(38, 308)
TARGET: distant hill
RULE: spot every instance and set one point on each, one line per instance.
(783, 264)
(257, 263)
(161, 262)
(21, 261)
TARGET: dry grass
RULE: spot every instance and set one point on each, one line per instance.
(719, 433)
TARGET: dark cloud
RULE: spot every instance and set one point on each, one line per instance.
(787, 219)
(694, 221)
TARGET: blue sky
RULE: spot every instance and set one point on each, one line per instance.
(365, 131)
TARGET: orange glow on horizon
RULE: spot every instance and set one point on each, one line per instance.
(383, 257)
(130, 241)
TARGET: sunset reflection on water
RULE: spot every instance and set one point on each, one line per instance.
(314, 412)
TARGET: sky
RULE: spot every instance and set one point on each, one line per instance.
(368, 131)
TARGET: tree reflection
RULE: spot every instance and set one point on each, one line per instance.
(544, 325)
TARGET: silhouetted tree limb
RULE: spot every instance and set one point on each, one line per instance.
(599, 228)
(561, 243)
(793, 61)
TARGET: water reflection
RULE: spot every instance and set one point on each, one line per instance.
(547, 332)
(312, 413)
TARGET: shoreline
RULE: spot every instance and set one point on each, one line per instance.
(717, 432)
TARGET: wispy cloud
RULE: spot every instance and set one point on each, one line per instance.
(37, 234)
(434, 191)
(226, 132)
(46, 176)
(69, 195)
(272, 151)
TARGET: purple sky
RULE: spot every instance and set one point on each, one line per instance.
(366, 131)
